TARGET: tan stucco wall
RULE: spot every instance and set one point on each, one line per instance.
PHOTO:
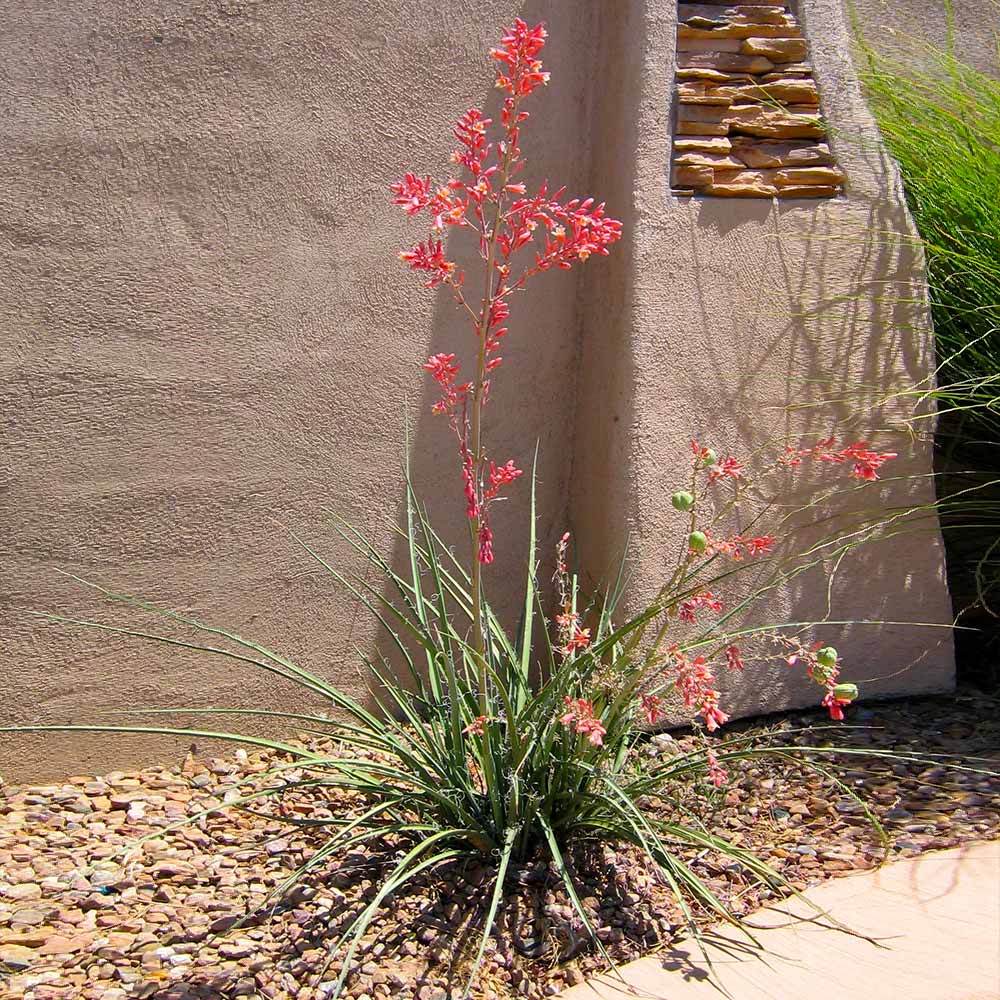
(722, 310)
(208, 333)
(904, 26)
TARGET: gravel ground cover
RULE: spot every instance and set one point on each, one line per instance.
(185, 915)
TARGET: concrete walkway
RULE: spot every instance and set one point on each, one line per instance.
(936, 918)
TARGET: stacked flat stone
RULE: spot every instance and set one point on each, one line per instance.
(748, 111)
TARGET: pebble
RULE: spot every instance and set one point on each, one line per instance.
(22, 892)
(17, 956)
(84, 918)
(27, 917)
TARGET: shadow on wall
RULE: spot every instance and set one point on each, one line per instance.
(603, 506)
(826, 350)
(753, 324)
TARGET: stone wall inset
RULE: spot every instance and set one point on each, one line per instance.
(748, 111)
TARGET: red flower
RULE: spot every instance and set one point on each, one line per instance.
(706, 599)
(568, 620)
(711, 713)
(412, 193)
(866, 463)
(737, 545)
(580, 639)
(444, 371)
(442, 368)
(733, 658)
(429, 256)
(446, 209)
(585, 231)
(696, 684)
(652, 708)
(717, 774)
(522, 72)
(727, 467)
(475, 728)
(485, 544)
(579, 715)
(835, 705)
(470, 130)
(501, 476)
(759, 546)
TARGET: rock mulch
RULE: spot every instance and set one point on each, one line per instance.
(186, 914)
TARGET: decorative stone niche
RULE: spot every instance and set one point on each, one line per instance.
(749, 123)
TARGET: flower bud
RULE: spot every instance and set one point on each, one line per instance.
(697, 542)
(827, 657)
(682, 500)
(845, 692)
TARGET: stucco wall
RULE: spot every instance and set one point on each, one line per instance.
(208, 334)
(208, 330)
(903, 26)
(732, 313)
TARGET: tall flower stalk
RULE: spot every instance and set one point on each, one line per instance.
(487, 199)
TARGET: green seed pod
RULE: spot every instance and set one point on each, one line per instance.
(697, 542)
(845, 692)
(711, 457)
(682, 500)
(827, 657)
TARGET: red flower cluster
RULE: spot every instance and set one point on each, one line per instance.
(501, 477)
(444, 371)
(573, 636)
(567, 621)
(822, 666)
(492, 203)
(580, 639)
(499, 311)
(866, 463)
(835, 705)
(573, 231)
(519, 47)
(696, 684)
(476, 727)
(485, 543)
(470, 130)
(738, 546)
(706, 599)
(727, 467)
(717, 774)
(429, 257)
(652, 708)
(412, 193)
(579, 715)
(733, 658)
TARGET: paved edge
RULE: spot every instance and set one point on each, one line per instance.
(927, 928)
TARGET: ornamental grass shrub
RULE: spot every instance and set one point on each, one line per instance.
(504, 745)
(940, 119)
